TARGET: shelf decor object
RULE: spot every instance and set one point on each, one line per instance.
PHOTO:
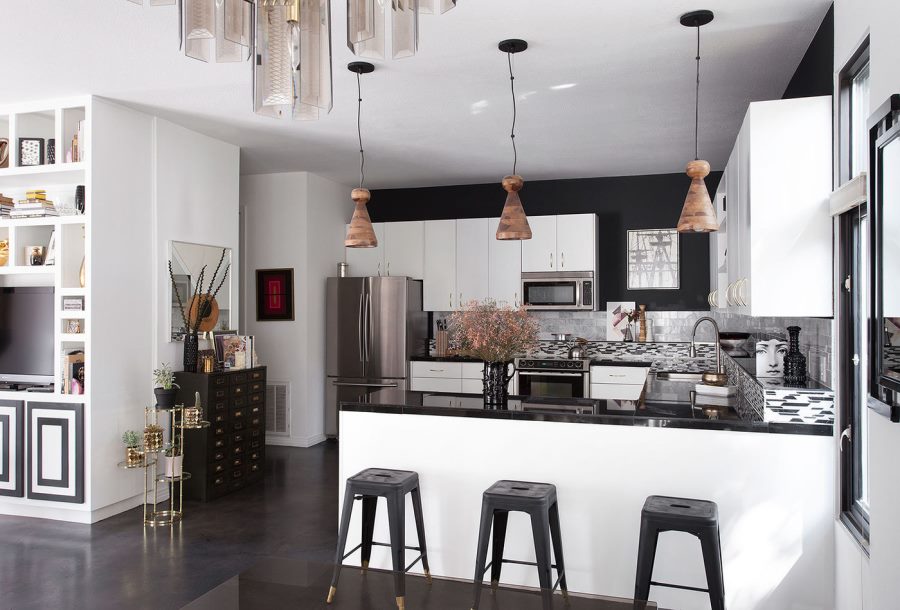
(513, 221)
(360, 233)
(31, 151)
(367, 25)
(698, 214)
(794, 361)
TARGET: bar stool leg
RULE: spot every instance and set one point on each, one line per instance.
(342, 542)
(369, 507)
(484, 530)
(540, 527)
(712, 561)
(558, 549)
(646, 556)
(397, 524)
(501, 517)
(420, 530)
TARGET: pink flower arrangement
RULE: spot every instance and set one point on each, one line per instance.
(491, 332)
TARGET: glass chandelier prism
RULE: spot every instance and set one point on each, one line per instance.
(367, 23)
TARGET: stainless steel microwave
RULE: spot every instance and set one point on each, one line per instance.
(560, 290)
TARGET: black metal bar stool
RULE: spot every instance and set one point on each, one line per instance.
(697, 517)
(393, 485)
(539, 501)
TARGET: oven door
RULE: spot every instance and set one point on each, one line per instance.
(551, 294)
(553, 384)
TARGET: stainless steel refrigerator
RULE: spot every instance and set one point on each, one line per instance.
(373, 326)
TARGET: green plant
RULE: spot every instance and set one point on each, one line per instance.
(164, 378)
(131, 438)
(173, 451)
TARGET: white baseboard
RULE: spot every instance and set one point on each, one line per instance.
(43, 511)
(289, 441)
(120, 507)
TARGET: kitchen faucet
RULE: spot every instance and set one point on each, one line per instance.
(717, 378)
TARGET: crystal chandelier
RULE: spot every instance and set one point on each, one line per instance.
(366, 23)
(289, 41)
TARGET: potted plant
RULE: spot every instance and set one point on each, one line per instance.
(495, 334)
(153, 438)
(165, 386)
(173, 459)
(133, 454)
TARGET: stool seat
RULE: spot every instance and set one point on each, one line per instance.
(522, 491)
(382, 479)
(685, 510)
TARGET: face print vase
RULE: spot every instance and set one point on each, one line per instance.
(770, 358)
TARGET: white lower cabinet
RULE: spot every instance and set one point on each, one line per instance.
(618, 382)
(472, 386)
(436, 384)
(455, 377)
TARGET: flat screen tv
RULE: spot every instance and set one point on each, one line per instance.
(26, 334)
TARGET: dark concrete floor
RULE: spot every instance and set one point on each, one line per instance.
(118, 564)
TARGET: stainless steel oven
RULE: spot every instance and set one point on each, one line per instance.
(573, 290)
(553, 377)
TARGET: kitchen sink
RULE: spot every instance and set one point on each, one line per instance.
(671, 376)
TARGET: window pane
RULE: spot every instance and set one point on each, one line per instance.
(859, 112)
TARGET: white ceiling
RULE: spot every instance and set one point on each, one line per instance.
(442, 117)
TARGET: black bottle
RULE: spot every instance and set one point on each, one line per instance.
(794, 361)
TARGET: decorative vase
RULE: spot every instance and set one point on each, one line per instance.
(79, 199)
(496, 383)
(794, 361)
(173, 465)
(629, 336)
(153, 440)
(165, 399)
(133, 456)
(191, 351)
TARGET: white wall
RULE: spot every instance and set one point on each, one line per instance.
(196, 181)
(294, 220)
(873, 583)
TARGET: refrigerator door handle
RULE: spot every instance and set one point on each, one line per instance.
(342, 384)
(359, 331)
(368, 321)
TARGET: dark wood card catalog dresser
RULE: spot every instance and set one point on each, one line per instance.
(230, 454)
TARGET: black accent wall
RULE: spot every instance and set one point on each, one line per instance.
(622, 203)
(815, 73)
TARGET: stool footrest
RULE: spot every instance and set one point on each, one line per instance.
(674, 586)
(408, 548)
(553, 566)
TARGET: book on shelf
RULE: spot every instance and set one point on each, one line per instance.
(72, 368)
(36, 194)
(32, 213)
(29, 204)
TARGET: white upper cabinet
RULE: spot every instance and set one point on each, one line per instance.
(404, 249)
(439, 286)
(779, 230)
(576, 242)
(505, 275)
(539, 252)
(472, 259)
(367, 261)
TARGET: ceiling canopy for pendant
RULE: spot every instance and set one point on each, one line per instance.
(360, 233)
(367, 24)
(513, 221)
(698, 214)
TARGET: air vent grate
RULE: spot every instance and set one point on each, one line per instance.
(277, 421)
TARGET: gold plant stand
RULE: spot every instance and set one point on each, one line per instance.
(158, 513)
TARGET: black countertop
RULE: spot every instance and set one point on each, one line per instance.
(662, 404)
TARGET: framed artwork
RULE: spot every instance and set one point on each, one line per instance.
(653, 259)
(274, 294)
(616, 319)
(56, 452)
(221, 338)
(31, 151)
(12, 444)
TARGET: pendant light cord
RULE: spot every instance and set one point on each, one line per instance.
(512, 133)
(697, 104)
(362, 154)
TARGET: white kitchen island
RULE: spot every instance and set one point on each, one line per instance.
(774, 485)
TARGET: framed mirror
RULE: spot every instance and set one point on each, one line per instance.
(188, 263)
(884, 190)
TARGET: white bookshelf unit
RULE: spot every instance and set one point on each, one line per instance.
(64, 447)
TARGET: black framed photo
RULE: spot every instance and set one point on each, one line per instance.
(31, 151)
(274, 294)
(220, 338)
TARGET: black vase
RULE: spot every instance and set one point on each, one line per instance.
(79, 199)
(794, 361)
(496, 384)
(191, 351)
(165, 399)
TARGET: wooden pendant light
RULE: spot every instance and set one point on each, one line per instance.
(513, 222)
(698, 214)
(361, 234)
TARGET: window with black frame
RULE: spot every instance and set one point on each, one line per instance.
(853, 361)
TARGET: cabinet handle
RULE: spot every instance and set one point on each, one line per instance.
(562, 260)
(451, 301)
(516, 299)
(379, 269)
(459, 303)
(551, 260)
(388, 269)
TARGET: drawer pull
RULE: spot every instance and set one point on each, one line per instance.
(218, 480)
